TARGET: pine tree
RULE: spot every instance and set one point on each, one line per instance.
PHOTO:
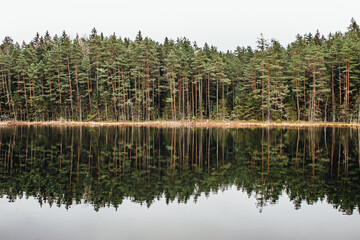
(171, 68)
(314, 57)
(110, 78)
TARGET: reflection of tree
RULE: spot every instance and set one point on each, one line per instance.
(104, 166)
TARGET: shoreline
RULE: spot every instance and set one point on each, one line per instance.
(194, 124)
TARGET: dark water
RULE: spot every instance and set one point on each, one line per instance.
(150, 183)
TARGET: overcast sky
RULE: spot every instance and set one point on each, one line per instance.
(222, 23)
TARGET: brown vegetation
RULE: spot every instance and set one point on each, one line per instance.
(198, 124)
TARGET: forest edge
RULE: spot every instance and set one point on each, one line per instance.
(197, 124)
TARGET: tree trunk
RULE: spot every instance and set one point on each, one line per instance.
(88, 87)
(268, 101)
(223, 101)
(174, 92)
(70, 90)
(26, 101)
(333, 96)
(340, 85)
(209, 106)
(200, 98)
(297, 97)
(78, 92)
(217, 96)
(314, 94)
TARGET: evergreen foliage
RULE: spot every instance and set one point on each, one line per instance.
(103, 78)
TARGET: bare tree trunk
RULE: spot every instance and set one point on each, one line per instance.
(223, 101)
(209, 106)
(314, 94)
(88, 87)
(340, 86)
(297, 97)
(70, 90)
(217, 96)
(78, 93)
(7, 92)
(200, 98)
(333, 96)
(268, 100)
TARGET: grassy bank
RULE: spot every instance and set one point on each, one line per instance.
(200, 124)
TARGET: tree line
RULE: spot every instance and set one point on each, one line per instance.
(108, 78)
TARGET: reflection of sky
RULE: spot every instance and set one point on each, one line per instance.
(226, 215)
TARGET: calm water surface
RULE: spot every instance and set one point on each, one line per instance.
(151, 183)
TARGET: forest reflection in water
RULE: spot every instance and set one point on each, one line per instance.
(103, 166)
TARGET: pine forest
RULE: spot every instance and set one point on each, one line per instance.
(109, 78)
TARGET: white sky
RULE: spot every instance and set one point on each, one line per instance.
(225, 24)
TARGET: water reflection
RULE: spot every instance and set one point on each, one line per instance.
(103, 166)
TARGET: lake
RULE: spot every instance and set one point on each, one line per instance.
(177, 183)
